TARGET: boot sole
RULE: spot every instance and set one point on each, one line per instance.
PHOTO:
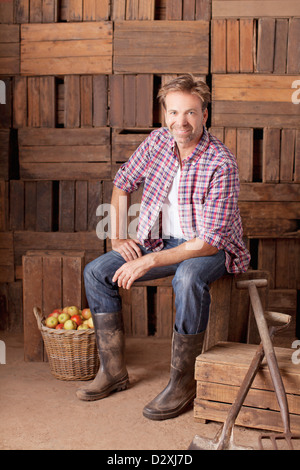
(117, 387)
(157, 415)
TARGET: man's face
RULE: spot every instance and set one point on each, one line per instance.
(185, 118)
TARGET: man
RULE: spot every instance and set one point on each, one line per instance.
(189, 227)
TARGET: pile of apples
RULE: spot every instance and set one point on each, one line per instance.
(70, 318)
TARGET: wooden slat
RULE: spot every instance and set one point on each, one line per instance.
(271, 155)
(265, 45)
(51, 49)
(254, 8)
(233, 46)
(218, 57)
(6, 257)
(281, 42)
(160, 47)
(293, 60)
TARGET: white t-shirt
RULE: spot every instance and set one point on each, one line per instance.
(170, 213)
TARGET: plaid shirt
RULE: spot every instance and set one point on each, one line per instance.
(207, 196)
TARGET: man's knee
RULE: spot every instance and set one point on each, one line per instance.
(186, 279)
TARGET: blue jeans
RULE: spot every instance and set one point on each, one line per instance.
(191, 281)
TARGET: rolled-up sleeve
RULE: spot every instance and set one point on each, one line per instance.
(132, 173)
(220, 206)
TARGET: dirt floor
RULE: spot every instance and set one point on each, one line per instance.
(40, 412)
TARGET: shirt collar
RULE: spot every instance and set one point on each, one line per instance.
(200, 147)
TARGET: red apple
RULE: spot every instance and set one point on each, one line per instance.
(54, 314)
(59, 326)
(51, 322)
(86, 313)
(76, 319)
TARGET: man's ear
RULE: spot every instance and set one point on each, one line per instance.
(205, 116)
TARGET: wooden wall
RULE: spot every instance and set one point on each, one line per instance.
(81, 78)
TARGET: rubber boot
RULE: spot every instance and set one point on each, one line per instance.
(181, 389)
(112, 375)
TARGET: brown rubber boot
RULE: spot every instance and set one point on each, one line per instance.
(112, 375)
(181, 389)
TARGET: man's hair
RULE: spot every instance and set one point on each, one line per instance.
(186, 83)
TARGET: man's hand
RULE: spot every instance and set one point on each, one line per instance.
(131, 271)
(127, 248)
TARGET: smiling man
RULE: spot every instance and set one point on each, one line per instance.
(189, 227)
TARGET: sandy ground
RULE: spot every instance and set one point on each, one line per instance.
(40, 412)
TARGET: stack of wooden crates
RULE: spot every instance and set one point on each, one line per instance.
(78, 89)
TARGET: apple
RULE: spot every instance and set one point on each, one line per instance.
(73, 310)
(76, 319)
(86, 313)
(90, 322)
(83, 326)
(63, 317)
(54, 314)
(59, 326)
(65, 310)
(51, 322)
(70, 325)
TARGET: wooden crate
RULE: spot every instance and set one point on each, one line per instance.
(50, 154)
(66, 48)
(7, 271)
(254, 100)
(50, 280)
(131, 100)
(160, 46)
(245, 45)
(219, 373)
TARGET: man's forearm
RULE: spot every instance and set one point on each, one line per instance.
(189, 249)
(119, 202)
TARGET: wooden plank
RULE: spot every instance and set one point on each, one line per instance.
(86, 101)
(75, 171)
(100, 105)
(248, 416)
(265, 45)
(130, 104)
(254, 8)
(19, 102)
(297, 157)
(4, 206)
(164, 312)
(139, 311)
(287, 155)
(116, 100)
(244, 153)
(269, 192)
(94, 10)
(30, 205)
(81, 202)
(4, 154)
(293, 58)
(233, 46)
(74, 10)
(52, 285)
(21, 8)
(93, 201)
(32, 297)
(44, 206)
(72, 101)
(174, 10)
(66, 210)
(271, 155)
(65, 137)
(281, 42)
(16, 196)
(160, 46)
(144, 100)
(6, 257)
(218, 52)
(47, 102)
(49, 11)
(63, 49)
(34, 118)
(246, 45)
(72, 284)
(146, 9)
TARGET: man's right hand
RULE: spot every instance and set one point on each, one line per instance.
(129, 249)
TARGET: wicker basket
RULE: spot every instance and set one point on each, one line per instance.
(72, 354)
